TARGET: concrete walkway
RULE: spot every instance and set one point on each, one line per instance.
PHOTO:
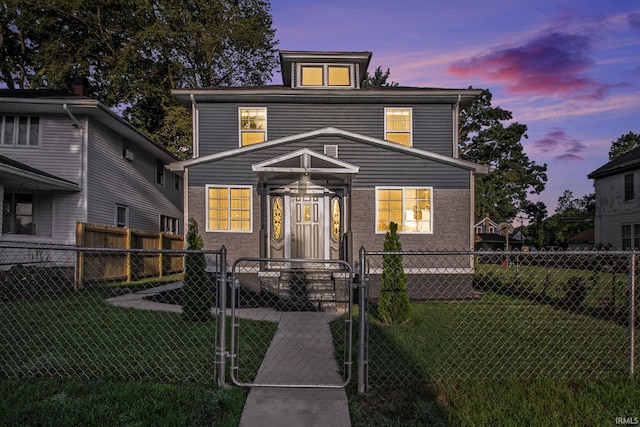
(300, 360)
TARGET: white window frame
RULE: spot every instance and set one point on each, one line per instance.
(169, 224)
(399, 107)
(16, 133)
(633, 238)
(240, 130)
(404, 210)
(228, 187)
(126, 214)
(325, 75)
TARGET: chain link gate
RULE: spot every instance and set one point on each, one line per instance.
(300, 311)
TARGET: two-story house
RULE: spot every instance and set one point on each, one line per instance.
(65, 158)
(320, 166)
(617, 217)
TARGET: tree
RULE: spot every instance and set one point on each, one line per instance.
(135, 52)
(394, 305)
(573, 216)
(566, 202)
(623, 144)
(484, 139)
(195, 293)
(378, 79)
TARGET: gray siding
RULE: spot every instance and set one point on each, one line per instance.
(113, 180)
(612, 211)
(378, 166)
(218, 123)
(60, 152)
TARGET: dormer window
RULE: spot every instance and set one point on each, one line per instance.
(325, 75)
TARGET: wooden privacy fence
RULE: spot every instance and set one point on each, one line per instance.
(144, 254)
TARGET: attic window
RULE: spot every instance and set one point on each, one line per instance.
(326, 75)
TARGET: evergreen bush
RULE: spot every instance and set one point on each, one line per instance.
(196, 295)
(394, 305)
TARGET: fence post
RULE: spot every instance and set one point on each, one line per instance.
(363, 357)
(222, 306)
(79, 255)
(632, 314)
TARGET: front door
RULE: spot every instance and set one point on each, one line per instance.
(307, 226)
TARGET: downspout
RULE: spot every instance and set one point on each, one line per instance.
(71, 116)
(456, 125)
(195, 123)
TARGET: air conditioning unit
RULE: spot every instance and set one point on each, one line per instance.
(127, 154)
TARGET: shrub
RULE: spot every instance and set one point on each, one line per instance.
(575, 292)
(394, 305)
(196, 295)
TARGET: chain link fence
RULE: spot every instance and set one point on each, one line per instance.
(53, 325)
(302, 310)
(474, 315)
(502, 314)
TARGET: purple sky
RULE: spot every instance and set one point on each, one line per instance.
(568, 69)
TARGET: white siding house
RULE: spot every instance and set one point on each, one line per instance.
(65, 158)
(617, 186)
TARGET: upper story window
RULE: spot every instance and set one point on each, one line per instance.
(398, 125)
(253, 125)
(628, 187)
(20, 131)
(159, 172)
(325, 75)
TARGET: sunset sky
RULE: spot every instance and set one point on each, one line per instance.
(568, 69)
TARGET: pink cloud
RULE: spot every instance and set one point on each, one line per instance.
(551, 64)
(557, 141)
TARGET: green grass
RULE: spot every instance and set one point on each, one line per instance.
(69, 402)
(73, 359)
(499, 361)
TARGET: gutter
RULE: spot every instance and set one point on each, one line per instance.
(456, 126)
(195, 126)
(71, 116)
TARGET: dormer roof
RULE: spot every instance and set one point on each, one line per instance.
(288, 59)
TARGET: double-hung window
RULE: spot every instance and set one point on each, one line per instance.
(630, 236)
(397, 125)
(229, 208)
(19, 131)
(122, 216)
(253, 125)
(410, 208)
(628, 187)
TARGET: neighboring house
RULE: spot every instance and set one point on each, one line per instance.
(319, 167)
(64, 158)
(489, 235)
(582, 240)
(617, 188)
